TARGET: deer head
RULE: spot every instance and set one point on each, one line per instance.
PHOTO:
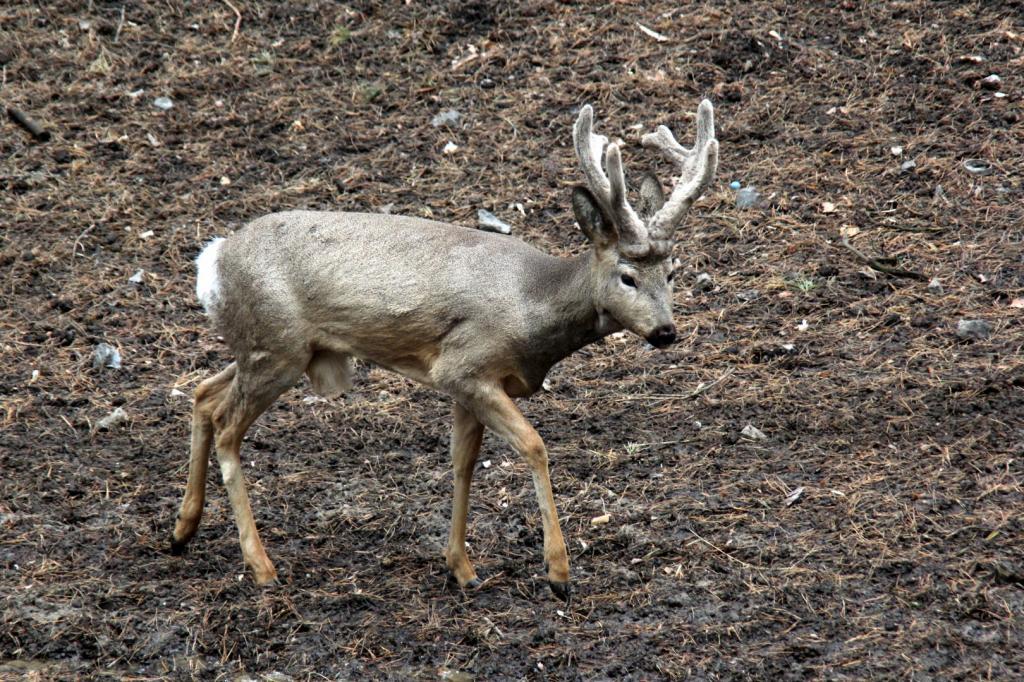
(632, 268)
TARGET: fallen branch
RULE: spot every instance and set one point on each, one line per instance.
(120, 25)
(21, 118)
(880, 264)
(702, 387)
(238, 20)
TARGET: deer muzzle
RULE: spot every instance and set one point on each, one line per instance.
(664, 335)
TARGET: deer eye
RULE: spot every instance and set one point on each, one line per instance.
(628, 281)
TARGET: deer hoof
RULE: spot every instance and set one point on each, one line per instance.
(267, 582)
(471, 584)
(178, 546)
(562, 590)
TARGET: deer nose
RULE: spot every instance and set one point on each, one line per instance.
(662, 336)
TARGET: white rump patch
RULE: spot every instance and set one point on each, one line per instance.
(207, 279)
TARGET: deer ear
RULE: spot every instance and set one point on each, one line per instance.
(652, 198)
(593, 221)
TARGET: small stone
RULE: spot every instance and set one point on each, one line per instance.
(977, 167)
(105, 355)
(935, 286)
(896, 151)
(979, 634)
(748, 295)
(137, 277)
(748, 197)
(601, 520)
(991, 82)
(450, 148)
(973, 329)
(118, 416)
(753, 433)
(794, 496)
(163, 103)
(492, 223)
(735, 184)
(225, 181)
(277, 676)
(449, 117)
(455, 676)
(908, 165)
(486, 464)
(703, 283)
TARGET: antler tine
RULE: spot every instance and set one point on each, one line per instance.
(589, 148)
(696, 167)
(609, 189)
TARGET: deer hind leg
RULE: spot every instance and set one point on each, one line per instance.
(497, 412)
(207, 397)
(254, 388)
(467, 434)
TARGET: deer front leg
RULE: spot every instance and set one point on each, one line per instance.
(497, 412)
(467, 434)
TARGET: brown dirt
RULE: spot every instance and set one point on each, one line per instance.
(902, 559)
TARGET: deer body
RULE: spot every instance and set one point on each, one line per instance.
(479, 316)
(414, 296)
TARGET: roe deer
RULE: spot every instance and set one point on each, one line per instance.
(479, 316)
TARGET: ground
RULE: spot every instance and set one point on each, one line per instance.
(902, 557)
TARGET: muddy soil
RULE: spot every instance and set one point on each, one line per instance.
(902, 556)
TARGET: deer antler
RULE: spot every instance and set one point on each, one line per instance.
(696, 169)
(609, 189)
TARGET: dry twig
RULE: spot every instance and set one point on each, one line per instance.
(880, 265)
(238, 20)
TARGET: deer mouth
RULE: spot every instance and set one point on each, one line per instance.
(606, 322)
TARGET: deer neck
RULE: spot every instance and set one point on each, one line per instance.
(570, 317)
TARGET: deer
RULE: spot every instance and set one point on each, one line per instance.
(479, 316)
